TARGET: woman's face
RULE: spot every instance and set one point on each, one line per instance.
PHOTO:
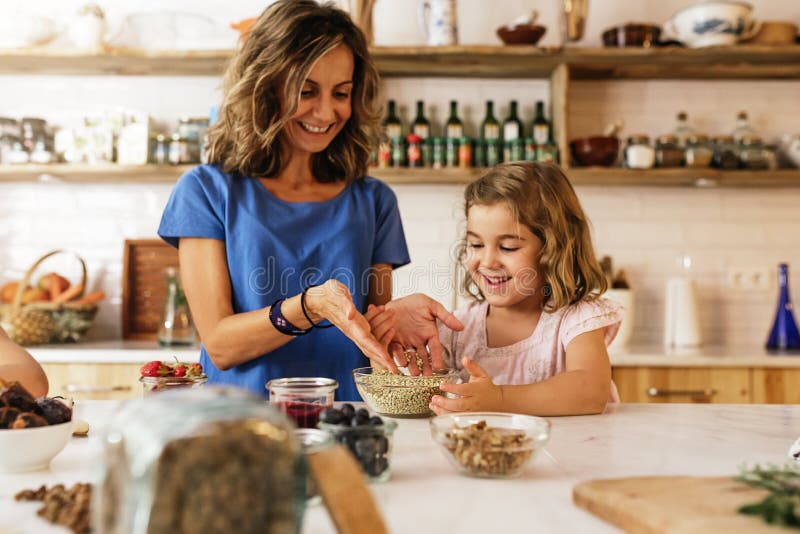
(324, 105)
(502, 256)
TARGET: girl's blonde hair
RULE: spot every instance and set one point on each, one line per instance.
(541, 198)
(269, 70)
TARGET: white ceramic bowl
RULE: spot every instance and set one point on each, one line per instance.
(716, 23)
(31, 449)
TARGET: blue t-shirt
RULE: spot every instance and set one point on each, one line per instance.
(276, 248)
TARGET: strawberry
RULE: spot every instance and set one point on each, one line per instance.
(179, 370)
(195, 369)
(155, 369)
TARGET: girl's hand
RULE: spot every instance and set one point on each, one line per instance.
(332, 301)
(480, 394)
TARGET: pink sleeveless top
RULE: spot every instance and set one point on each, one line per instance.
(540, 356)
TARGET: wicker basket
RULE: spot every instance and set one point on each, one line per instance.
(47, 322)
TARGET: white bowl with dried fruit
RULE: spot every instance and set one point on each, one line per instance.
(490, 444)
(32, 431)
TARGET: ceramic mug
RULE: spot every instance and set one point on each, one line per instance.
(439, 22)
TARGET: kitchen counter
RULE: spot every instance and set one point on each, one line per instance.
(113, 351)
(425, 494)
(715, 356)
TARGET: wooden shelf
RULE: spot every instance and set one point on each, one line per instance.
(461, 61)
(606, 176)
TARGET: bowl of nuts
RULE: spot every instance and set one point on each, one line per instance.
(489, 444)
(399, 395)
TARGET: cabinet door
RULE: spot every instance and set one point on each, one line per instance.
(683, 384)
(94, 381)
(776, 386)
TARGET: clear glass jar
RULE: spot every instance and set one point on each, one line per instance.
(176, 327)
(166, 466)
(313, 440)
(638, 152)
(726, 154)
(192, 130)
(302, 398)
(668, 152)
(753, 155)
(699, 151)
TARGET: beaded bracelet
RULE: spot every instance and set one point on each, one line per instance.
(303, 307)
(282, 324)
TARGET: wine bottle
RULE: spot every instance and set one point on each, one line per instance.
(784, 335)
(392, 125)
(421, 126)
(454, 128)
(541, 128)
(512, 126)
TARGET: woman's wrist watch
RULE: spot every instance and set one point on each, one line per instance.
(282, 324)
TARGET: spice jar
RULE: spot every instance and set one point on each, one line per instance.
(302, 399)
(726, 155)
(465, 152)
(414, 150)
(668, 152)
(638, 152)
(166, 466)
(752, 154)
(698, 151)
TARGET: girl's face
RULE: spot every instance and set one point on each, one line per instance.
(503, 256)
(324, 105)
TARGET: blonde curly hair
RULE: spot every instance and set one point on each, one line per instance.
(541, 198)
(268, 72)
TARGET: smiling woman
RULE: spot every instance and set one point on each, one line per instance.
(282, 231)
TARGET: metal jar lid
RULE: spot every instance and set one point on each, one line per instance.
(697, 139)
(667, 139)
(639, 139)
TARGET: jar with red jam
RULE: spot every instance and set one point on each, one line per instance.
(302, 398)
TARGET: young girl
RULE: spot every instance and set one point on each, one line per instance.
(534, 342)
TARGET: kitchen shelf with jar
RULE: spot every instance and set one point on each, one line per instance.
(610, 176)
(742, 61)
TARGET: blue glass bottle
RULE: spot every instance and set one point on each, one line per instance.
(784, 335)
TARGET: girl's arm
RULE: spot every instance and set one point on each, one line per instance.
(582, 389)
(235, 338)
(16, 364)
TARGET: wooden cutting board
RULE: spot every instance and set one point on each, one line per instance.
(675, 505)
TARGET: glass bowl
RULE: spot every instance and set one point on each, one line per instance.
(152, 384)
(396, 395)
(371, 445)
(489, 444)
(303, 398)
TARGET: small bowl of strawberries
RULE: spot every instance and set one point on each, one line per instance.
(158, 375)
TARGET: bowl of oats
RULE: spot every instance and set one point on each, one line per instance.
(400, 395)
(490, 444)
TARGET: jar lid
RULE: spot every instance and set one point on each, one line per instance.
(682, 116)
(724, 139)
(751, 140)
(667, 139)
(639, 139)
(302, 384)
(697, 138)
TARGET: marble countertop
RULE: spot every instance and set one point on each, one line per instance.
(424, 490)
(713, 356)
(113, 351)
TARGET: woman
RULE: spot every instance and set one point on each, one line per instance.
(282, 231)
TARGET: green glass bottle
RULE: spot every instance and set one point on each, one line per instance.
(541, 128)
(454, 128)
(490, 127)
(512, 126)
(392, 126)
(421, 125)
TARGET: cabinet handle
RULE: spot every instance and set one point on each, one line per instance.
(75, 388)
(656, 392)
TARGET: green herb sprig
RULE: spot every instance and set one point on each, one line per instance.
(782, 505)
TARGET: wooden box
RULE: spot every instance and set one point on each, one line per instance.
(144, 286)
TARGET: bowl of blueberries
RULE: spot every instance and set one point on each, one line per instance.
(368, 438)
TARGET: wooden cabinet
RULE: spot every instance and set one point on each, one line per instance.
(94, 380)
(683, 384)
(776, 386)
(708, 384)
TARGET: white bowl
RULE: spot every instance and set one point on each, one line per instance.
(31, 449)
(716, 23)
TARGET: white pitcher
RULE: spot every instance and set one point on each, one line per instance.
(439, 22)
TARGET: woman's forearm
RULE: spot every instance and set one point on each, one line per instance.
(576, 392)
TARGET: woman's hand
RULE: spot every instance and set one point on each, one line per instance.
(332, 301)
(416, 330)
(480, 394)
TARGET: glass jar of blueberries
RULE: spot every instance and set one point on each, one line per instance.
(369, 438)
